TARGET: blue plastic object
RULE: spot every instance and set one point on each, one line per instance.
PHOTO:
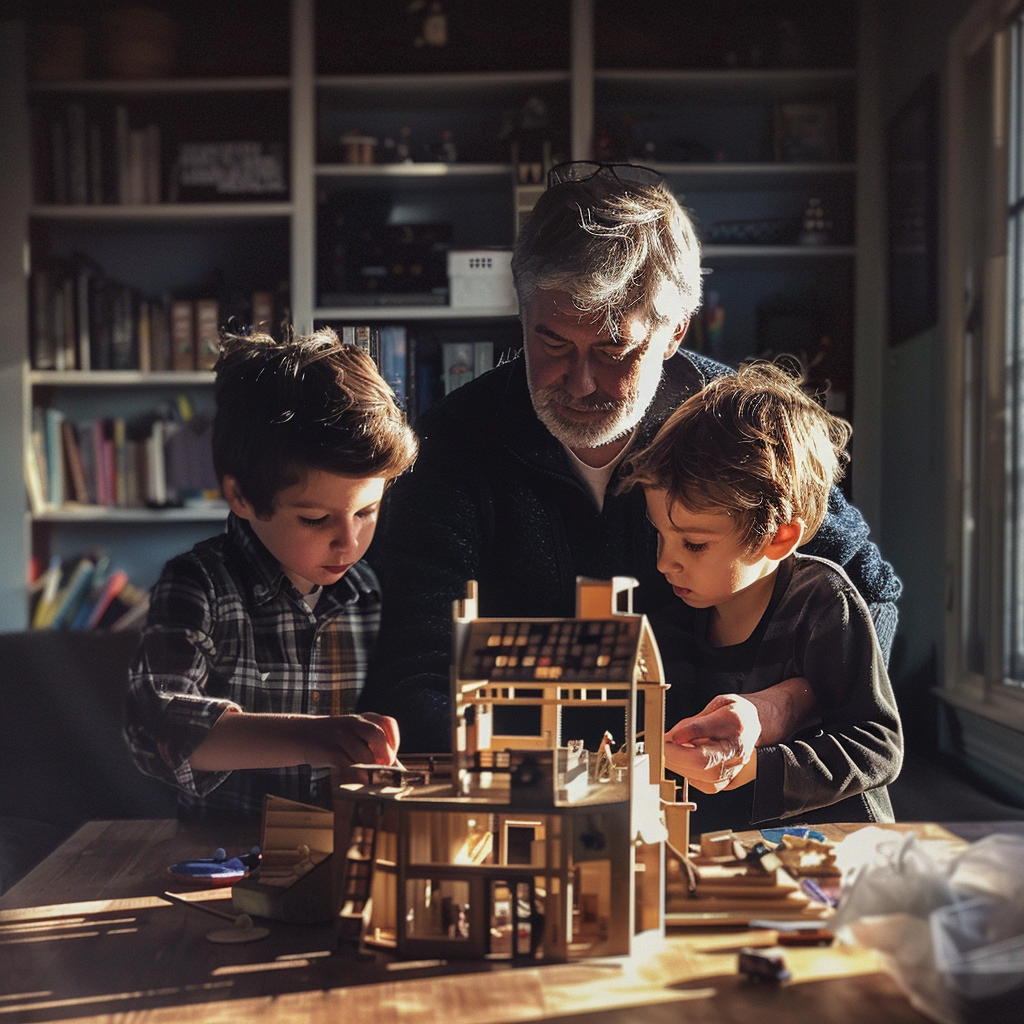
(774, 835)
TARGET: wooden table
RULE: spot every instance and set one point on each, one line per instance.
(85, 936)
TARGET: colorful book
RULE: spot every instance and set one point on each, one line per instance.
(112, 586)
(72, 594)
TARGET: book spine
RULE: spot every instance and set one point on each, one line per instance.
(207, 333)
(183, 335)
(55, 455)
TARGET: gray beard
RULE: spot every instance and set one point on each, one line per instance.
(614, 423)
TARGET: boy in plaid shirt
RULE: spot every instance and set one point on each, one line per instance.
(257, 640)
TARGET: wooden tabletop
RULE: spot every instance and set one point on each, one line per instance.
(85, 936)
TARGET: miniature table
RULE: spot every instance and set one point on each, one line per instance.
(85, 936)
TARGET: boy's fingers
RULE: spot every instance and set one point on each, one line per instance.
(390, 727)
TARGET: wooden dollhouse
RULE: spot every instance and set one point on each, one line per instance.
(527, 842)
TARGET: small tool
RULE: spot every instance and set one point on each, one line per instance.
(243, 931)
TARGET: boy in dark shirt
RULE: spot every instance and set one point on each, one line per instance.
(737, 478)
(257, 640)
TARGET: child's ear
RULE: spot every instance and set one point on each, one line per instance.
(235, 499)
(786, 540)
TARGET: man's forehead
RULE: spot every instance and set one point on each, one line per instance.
(555, 309)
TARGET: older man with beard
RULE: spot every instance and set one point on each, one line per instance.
(515, 486)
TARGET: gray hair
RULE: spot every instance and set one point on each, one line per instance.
(618, 248)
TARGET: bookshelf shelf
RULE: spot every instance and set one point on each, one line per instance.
(373, 172)
(398, 312)
(442, 85)
(163, 86)
(156, 212)
(120, 378)
(788, 252)
(142, 516)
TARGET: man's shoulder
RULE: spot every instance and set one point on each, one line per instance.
(476, 403)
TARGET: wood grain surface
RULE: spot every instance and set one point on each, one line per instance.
(85, 936)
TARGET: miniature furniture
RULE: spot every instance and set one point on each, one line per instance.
(527, 844)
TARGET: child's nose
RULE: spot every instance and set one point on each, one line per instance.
(344, 537)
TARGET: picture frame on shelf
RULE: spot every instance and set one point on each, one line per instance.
(912, 214)
(806, 132)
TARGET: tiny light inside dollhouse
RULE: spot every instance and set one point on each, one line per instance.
(523, 843)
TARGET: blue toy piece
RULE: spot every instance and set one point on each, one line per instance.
(216, 870)
(774, 835)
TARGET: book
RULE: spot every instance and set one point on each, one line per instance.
(98, 172)
(393, 368)
(55, 455)
(77, 154)
(44, 345)
(112, 586)
(183, 335)
(51, 576)
(263, 312)
(124, 347)
(152, 168)
(97, 583)
(156, 464)
(144, 328)
(126, 608)
(100, 323)
(35, 470)
(122, 159)
(160, 335)
(83, 335)
(67, 325)
(72, 594)
(458, 359)
(78, 491)
(207, 343)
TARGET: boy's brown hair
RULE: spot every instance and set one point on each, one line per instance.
(752, 444)
(306, 402)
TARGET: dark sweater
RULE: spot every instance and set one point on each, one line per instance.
(494, 499)
(816, 626)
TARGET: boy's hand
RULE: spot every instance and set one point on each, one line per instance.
(340, 741)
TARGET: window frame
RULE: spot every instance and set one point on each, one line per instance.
(987, 709)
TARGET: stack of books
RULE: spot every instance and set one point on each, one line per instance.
(86, 593)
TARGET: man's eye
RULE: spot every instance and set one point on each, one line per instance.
(556, 348)
(312, 522)
(618, 354)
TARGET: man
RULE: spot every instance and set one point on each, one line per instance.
(515, 482)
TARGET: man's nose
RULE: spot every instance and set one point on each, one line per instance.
(579, 378)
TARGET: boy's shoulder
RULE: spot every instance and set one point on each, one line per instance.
(816, 583)
(214, 560)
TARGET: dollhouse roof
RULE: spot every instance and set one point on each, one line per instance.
(597, 651)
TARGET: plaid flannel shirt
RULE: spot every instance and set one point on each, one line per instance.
(228, 630)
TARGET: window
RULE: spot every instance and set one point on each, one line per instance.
(984, 682)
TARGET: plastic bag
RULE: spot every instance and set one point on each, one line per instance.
(949, 928)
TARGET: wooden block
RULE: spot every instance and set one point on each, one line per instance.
(716, 844)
